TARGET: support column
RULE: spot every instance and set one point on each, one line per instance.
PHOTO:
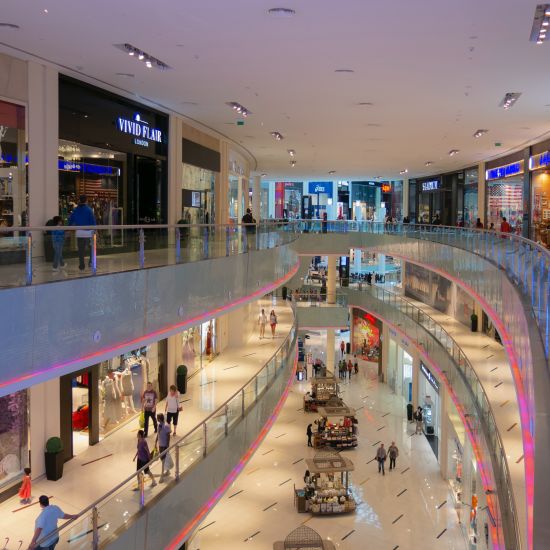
(256, 196)
(481, 194)
(331, 345)
(175, 170)
(416, 374)
(43, 124)
(174, 358)
(357, 260)
(331, 279)
(444, 432)
(222, 186)
(405, 198)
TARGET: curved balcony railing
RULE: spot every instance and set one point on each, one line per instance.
(108, 516)
(471, 397)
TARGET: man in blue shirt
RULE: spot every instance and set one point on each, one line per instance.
(163, 440)
(46, 523)
(82, 215)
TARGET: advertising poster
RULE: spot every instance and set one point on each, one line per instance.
(366, 336)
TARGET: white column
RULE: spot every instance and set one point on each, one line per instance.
(405, 202)
(174, 358)
(481, 194)
(271, 200)
(175, 170)
(416, 374)
(357, 260)
(45, 421)
(444, 431)
(331, 346)
(222, 186)
(43, 136)
(331, 279)
(256, 196)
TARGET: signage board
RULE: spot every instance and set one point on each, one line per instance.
(97, 169)
(386, 188)
(316, 187)
(505, 171)
(430, 377)
(539, 161)
(431, 185)
(142, 132)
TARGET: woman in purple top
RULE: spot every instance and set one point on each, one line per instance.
(143, 456)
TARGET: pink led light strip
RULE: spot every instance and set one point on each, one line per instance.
(186, 531)
(159, 334)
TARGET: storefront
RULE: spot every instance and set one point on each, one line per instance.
(201, 167)
(114, 151)
(321, 193)
(238, 190)
(343, 211)
(365, 338)
(14, 438)
(198, 345)
(13, 170)
(98, 400)
(505, 193)
(399, 367)
(430, 199)
(428, 399)
(471, 177)
(539, 164)
(366, 197)
(288, 199)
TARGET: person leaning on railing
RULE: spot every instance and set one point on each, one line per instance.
(83, 215)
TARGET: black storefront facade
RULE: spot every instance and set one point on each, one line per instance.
(115, 151)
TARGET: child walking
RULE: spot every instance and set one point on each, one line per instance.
(25, 490)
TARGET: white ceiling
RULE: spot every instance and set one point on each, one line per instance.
(435, 71)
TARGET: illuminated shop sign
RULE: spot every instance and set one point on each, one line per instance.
(539, 161)
(320, 187)
(430, 377)
(140, 129)
(505, 171)
(386, 188)
(431, 185)
(97, 169)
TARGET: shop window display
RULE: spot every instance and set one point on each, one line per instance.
(198, 344)
(470, 197)
(366, 336)
(14, 445)
(540, 222)
(198, 187)
(122, 381)
(506, 200)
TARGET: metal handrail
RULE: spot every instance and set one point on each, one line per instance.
(375, 291)
(222, 408)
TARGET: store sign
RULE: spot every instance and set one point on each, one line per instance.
(320, 187)
(539, 161)
(140, 129)
(430, 377)
(97, 169)
(386, 188)
(505, 171)
(431, 185)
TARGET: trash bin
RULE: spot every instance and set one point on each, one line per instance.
(348, 348)
(410, 412)
(181, 379)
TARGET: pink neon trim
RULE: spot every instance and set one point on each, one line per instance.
(181, 536)
(159, 333)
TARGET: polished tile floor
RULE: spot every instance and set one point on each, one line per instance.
(84, 482)
(407, 509)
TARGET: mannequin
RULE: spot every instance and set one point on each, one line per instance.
(109, 392)
(209, 341)
(128, 389)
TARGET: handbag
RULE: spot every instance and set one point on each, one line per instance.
(168, 461)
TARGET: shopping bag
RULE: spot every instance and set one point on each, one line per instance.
(168, 461)
(142, 420)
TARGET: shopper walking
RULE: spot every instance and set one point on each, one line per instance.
(46, 524)
(173, 407)
(342, 348)
(381, 458)
(25, 489)
(262, 322)
(249, 227)
(309, 433)
(162, 443)
(58, 239)
(273, 322)
(350, 368)
(393, 453)
(418, 419)
(149, 400)
(505, 227)
(355, 365)
(83, 215)
(479, 224)
(143, 456)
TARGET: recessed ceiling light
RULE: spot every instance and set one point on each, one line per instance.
(331, 172)
(540, 22)
(453, 152)
(243, 111)
(264, 175)
(9, 26)
(291, 152)
(125, 75)
(365, 104)
(277, 135)
(428, 163)
(509, 99)
(281, 12)
(344, 71)
(404, 171)
(293, 163)
(479, 133)
(45, 11)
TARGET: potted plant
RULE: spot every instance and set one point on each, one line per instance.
(181, 378)
(54, 459)
(473, 319)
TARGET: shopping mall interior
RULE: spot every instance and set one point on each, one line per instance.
(274, 275)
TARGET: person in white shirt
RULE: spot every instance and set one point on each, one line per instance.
(173, 407)
(262, 321)
(46, 524)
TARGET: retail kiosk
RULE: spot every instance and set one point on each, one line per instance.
(323, 391)
(303, 537)
(327, 490)
(340, 427)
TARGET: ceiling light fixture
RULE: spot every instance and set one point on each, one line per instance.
(344, 71)
(136, 53)
(277, 135)
(281, 12)
(332, 172)
(243, 111)
(428, 163)
(9, 26)
(291, 152)
(293, 163)
(479, 133)
(509, 100)
(404, 171)
(540, 22)
(453, 152)
(264, 175)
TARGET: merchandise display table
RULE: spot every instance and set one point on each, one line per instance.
(324, 391)
(303, 537)
(340, 435)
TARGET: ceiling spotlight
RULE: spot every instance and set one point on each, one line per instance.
(281, 12)
(509, 100)
(239, 108)
(132, 52)
(149, 60)
(539, 41)
(428, 163)
(344, 71)
(453, 152)
(404, 171)
(291, 152)
(277, 135)
(148, 64)
(545, 23)
(141, 56)
(479, 133)
(264, 175)
(293, 163)
(540, 22)
(331, 172)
